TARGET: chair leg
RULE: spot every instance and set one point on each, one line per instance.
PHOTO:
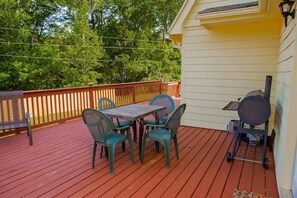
(130, 146)
(106, 151)
(167, 152)
(111, 153)
(134, 131)
(29, 131)
(157, 145)
(123, 144)
(101, 153)
(175, 146)
(94, 154)
(142, 148)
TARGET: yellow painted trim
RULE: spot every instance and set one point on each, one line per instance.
(176, 38)
(177, 24)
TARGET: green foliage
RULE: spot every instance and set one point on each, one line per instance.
(145, 53)
(63, 43)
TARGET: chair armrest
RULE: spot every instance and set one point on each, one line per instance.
(155, 125)
(118, 122)
(123, 127)
(28, 118)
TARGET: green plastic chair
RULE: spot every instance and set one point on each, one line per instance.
(105, 103)
(162, 116)
(103, 132)
(163, 134)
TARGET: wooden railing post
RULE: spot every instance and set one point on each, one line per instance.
(177, 92)
(134, 94)
(91, 95)
(161, 82)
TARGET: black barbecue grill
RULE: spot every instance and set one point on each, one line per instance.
(253, 110)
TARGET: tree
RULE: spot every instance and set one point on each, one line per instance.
(48, 44)
(63, 43)
(143, 53)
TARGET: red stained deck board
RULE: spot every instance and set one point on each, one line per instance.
(45, 163)
(80, 180)
(119, 189)
(155, 168)
(92, 179)
(246, 178)
(271, 186)
(27, 154)
(199, 167)
(167, 181)
(28, 174)
(177, 179)
(36, 157)
(40, 178)
(138, 168)
(159, 167)
(253, 177)
(209, 177)
(259, 177)
(77, 181)
(154, 182)
(97, 188)
(59, 165)
(82, 167)
(221, 177)
(234, 175)
(41, 164)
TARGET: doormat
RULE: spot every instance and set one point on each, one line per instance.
(245, 194)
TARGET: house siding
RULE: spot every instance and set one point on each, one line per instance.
(286, 107)
(227, 60)
(222, 64)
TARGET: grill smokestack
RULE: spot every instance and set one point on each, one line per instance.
(267, 89)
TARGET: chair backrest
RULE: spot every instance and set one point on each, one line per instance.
(173, 123)
(98, 124)
(12, 110)
(163, 100)
(105, 103)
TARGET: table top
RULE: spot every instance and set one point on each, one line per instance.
(133, 111)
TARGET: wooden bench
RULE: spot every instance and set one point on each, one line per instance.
(12, 112)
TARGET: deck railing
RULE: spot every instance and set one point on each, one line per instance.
(53, 106)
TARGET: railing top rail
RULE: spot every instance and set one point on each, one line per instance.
(130, 84)
(96, 86)
(170, 83)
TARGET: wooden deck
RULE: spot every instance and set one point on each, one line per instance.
(59, 165)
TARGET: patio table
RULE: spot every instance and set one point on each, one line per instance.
(135, 112)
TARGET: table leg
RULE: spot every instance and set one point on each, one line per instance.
(134, 131)
(141, 130)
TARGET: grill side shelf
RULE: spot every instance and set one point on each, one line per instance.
(231, 106)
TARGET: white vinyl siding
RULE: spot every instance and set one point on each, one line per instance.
(294, 180)
(228, 57)
(285, 115)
